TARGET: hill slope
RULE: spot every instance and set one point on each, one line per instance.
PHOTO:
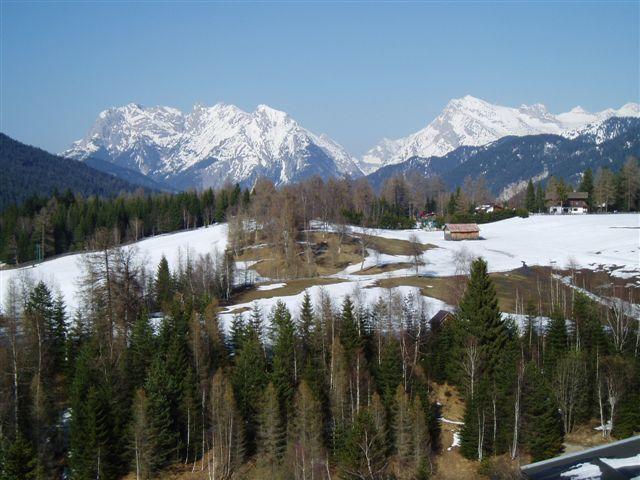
(28, 170)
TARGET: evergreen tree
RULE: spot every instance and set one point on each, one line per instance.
(249, 379)
(163, 433)
(389, 374)
(284, 374)
(18, 460)
(530, 197)
(270, 431)
(163, 283)
(556, 342)
(586, 185)
(540, 198)
(364, 452)
(541, 422)
(479, 314)
(350, 330)
(140, 353)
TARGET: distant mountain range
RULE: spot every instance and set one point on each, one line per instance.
(28, 171)
(509, 162)
(211, 146)
(469, 121)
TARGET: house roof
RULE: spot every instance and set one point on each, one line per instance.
(440, 316)
(462, 227)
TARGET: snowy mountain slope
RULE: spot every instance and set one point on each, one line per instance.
(471, 121)
(212, 145)
(508, 163)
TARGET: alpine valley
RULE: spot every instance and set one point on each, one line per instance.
(211, 146)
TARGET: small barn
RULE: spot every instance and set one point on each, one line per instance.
(461, 231)
(439, 319)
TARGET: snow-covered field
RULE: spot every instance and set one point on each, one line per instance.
(64, 274)
(589, 241)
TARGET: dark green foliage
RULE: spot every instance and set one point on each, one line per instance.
(530, 197)
(389, 374)
(163, 283)
(540, 195)
(249, 378)
(142, 349)
(18, 461)
(69, 221)
(364, 452)
(556, 342)
(23, 169)
(271, 438)
(162, 424)
(541, 424)
(284, 360)
(586, 185)
(480, 316)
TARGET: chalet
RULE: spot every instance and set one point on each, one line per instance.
(426, 221)
(489, 208)
(461, 231)
(439, 318)
(575, 203)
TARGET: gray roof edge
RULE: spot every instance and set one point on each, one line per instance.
(588, 452)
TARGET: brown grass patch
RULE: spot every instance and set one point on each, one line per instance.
(394, 246)
(388, 267)
(292, 287)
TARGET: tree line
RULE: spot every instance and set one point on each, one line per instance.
(66, 222)
(607, 190)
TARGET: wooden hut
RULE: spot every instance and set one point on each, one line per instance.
(461, 231)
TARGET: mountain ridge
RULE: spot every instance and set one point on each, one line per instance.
(470, 121)
(509, 162)
(227, 143)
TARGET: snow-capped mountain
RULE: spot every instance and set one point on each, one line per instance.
(470, 121)
(210, 146)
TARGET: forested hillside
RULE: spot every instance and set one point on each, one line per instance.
(28, 171)
(328, 391)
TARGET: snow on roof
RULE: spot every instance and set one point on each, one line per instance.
(462, 227)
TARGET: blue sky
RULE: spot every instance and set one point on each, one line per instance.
(356, 71)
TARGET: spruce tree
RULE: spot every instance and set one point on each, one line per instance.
(18, 460)
(349, 330)
(541, 422)
(364, 454)
(141, 351)
(530, 197)
(556, 343)
(270, 443)
(162, 426)
(540, 198)
(586, 185)
(163, 283)
(479, 314)
(249, 379)
(284, 359)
